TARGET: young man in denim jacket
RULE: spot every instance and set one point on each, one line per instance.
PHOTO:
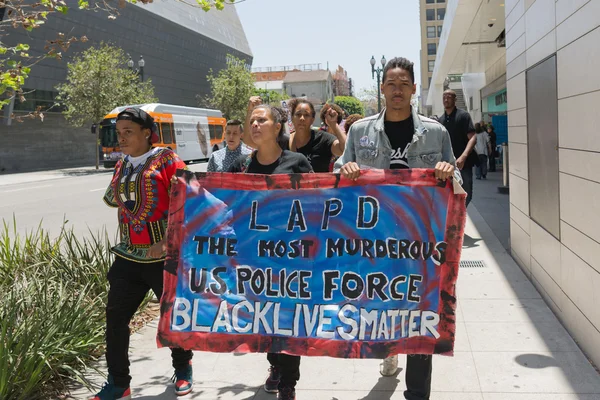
(399, 138)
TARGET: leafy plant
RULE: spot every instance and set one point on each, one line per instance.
(231, 88)
(98, 80)
(52, 313)
(350, 104)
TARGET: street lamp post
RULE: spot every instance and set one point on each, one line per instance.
(141, 64)
(378, 71)
(140, 69)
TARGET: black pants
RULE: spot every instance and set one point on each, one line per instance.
(482, 167)
(129, 284)
(288, 366)
(492, 161)
(418, 377)
(467, 176)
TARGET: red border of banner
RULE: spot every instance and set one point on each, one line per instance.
(216, 342)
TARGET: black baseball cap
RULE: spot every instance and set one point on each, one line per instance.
(141, 117)
(136, 115)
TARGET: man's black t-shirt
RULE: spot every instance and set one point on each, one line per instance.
(459, 125)
(288, 163)
(400, 134)
(318, 150)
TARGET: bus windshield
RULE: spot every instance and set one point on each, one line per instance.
(108, 135)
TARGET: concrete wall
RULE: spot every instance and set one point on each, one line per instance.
(564, 267)
(35, 145)
(177, 57)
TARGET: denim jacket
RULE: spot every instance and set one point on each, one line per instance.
(368, 145)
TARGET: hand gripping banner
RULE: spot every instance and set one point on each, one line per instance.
(312, 264)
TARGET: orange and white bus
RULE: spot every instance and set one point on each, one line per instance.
(193, 133)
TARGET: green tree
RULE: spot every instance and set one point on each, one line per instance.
(270, 96)
(231, 88)
(98, 80)
(350, 104)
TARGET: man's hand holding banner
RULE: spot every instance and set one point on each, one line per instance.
(313, 264)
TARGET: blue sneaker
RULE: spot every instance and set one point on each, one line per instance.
(184, 380)
(111, 392)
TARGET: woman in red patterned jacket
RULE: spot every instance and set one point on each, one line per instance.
(140, 190)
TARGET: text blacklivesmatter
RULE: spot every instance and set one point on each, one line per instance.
(252, 296)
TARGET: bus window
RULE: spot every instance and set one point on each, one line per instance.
(108, 136)
(211, 131)
(167, 133)
(218, 132)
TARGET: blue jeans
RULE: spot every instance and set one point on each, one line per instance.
(482, 167)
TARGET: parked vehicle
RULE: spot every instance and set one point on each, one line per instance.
(194, 133)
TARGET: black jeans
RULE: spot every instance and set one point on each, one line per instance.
(129, 283)
(288, 366)
(482, 167)
(418, 377)
(467, 176)
(492, 161)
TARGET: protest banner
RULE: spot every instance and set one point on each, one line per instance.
(313, 264)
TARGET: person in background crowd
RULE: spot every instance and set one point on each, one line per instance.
(399, 138)
(140, 190)
(459, 125)
(317, 146)
(493, 144)
(351, 119)
(284, 139)
(266, 129)
(221, 160)
(483, 149)
(340, 116)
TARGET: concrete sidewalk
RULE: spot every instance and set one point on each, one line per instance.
(509, 346)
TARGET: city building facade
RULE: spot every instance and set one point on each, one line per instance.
(536, 61)
(179, 43)
(341, 83)
(316, 86)
(432, 14)
(553, 90)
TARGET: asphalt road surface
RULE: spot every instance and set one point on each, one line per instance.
(52, 198)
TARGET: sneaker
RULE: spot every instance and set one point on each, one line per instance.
(184, 380)
(272, 381)
(111, 392)
(389, 366)
(286, 393)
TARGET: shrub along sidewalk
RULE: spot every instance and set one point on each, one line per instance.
(52, 312)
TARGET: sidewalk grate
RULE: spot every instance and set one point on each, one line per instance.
(472, 264)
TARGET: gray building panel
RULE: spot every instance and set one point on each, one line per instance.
(179, 43)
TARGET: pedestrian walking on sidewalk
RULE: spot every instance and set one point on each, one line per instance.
(266, 125)
(399, 138)
(459, 125)
(483, 148)
(221, 160)
(140, 190)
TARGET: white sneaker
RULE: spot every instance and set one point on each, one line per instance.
(389, 366)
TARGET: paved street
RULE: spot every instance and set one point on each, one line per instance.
(51, 197)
